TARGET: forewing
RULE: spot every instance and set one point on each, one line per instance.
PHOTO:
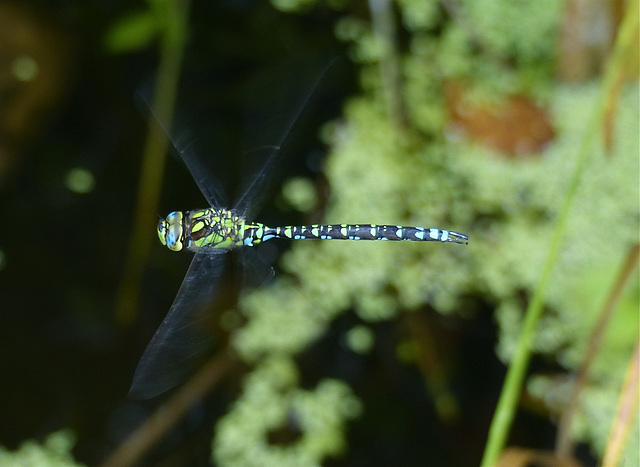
(210, 187)
(183, 336)
(184, 143)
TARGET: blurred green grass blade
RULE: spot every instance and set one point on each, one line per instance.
(174, 14)
(505, 410)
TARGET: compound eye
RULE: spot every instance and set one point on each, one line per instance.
(162, 231)
(170, 231)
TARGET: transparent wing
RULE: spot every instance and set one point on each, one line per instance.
(184, 334)
(183, 144)
(268, 147)
(210, 187)
(256, 270)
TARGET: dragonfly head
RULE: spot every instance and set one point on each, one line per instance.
(170, 231)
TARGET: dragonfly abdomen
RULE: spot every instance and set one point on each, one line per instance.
(260, 233)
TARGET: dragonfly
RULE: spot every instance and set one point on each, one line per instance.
(215, 230)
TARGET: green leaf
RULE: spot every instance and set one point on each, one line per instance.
(132, 33)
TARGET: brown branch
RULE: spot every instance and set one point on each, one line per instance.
(151, 432)
(564, 442)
